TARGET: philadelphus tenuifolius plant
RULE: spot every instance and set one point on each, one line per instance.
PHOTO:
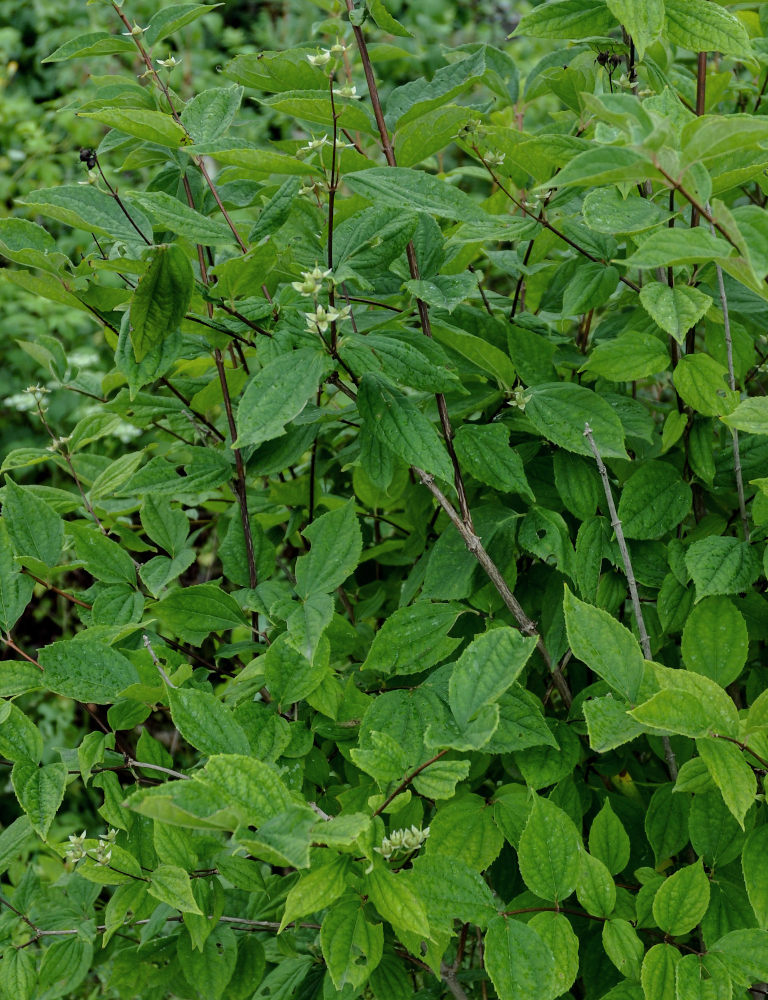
(383, 538)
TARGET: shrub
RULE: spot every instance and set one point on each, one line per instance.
(407, 556)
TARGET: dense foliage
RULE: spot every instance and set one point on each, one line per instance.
(384, 612)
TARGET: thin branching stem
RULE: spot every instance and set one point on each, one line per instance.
(732, 383)
(645, 642)
(413, 267)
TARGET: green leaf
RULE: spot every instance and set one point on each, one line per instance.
(18, 974)
(485, 453)
(161, 299)
(630, 356)
(210, 968)
(152, 126)
(289, 674)
(86, 670)
(657, 975)
(384, 19)
(419, 138)
(40, 791)
(414, 190)
(719, 705)
(751, 415)
(314, 106)
(209, 114)
(277, 394)
(484, 671)
(205, 723)
(521, 965)
(168, 212)
(608, 724)
(368, 242)
(172, 885)
(308, 622)
(167, 526)
(595, 889)
(674, 712)
(443, 291)
(276, 211)
(414, 638)
(94, 43)
(715, 641)
(744, 954)
(644, 21)
(549, 850)
(194, 612)
(721, 565)
(15, 589)
(260, 162)
(521, 723)
(668, 247)
(605, 645)
(567, 19)
(352, 947)
(731, 773)
(64, 966)
(623, 947)
(595, 283)
(559, 411)
(666, 822)
(396, 421)
(682, 900)
(88, 208)
(555, 930)
(316, 890)
(20, 738)
(479, 351)
(702, 384)
(452, 891)
(756, 874)
(464, 828)
(705, 29)
(395, 901)
(336, 545)
(102, 557)
(13, 840)
(168, 20)
(605, 210)
(417, 97)
(654, 500)
(606, 165)
(608, 840)
(27, 243)
(676, 310)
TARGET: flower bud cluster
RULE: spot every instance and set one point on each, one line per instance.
(405, 841)
(312, 281)
(101, 854)
(319, 320)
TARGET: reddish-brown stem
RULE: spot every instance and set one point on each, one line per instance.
(742, 746)
(407, 780)
(198, 416)
(61, 593)
(8, 641)
(542, 221)
(197, 160)
(413, 267)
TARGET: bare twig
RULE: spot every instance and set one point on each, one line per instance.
(732, 383)
(645, 642)
(475, 546)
